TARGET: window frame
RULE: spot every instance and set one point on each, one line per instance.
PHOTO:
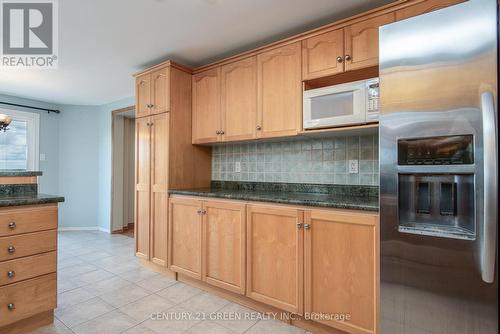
(33, 135)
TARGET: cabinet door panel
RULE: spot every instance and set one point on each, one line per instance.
(319, 55)
(279, 91)
(341, 254)
(239, 99)
(224, 232)
(206, 106)
(275, 257)
(143, 95)
(185, 236)
(361, 42)
(160, 91)
(424, 7)
(159, 186)
(142, 187)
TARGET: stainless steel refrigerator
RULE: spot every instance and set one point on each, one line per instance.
(438, 171)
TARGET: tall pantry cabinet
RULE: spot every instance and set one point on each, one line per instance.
(165, 157)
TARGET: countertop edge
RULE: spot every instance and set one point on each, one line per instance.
(30, 200)
(14, 173)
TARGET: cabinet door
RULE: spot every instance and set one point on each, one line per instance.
(323, 55)
(279, 91)
(341, 254)
(143, 95)
(275, 257)
(239, 99)
(424, 7)
(185, 236)
(160, 91)
(361, 42)
(159, 185)
(206, 106)
(224, 232)
(142, 186)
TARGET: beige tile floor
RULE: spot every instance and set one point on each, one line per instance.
(103, 289)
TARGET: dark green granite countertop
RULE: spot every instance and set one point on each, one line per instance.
(19, 172)
(328, 196)
(29, 199)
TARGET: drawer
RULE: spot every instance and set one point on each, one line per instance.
(24, 220)
(27, 244)
(27, 298)
(27, 267)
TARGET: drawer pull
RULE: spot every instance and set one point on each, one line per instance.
(11, 306)
(12, 225)
(11, 273)
(11, 249)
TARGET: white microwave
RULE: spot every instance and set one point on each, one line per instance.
(345, 104)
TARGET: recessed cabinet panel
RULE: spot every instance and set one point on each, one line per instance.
(361, 42)
(143, 95)
(239, 99)
(142, 186)
(279, 97)
(206, 106)
(160, 91)
(323, 55)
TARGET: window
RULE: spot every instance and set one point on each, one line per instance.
(19, 144)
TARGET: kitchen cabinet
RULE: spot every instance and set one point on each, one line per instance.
(185, 234)
(153, 92)
(165, 157)
(207, 107)
(341, 258)
(361, 42)
(224, 245)
(275, 256)
(279, 91)
(323, 55)
(239, 100)
(424, 7)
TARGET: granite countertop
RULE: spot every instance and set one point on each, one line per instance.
(19, 172)
(329, 196)
(29, 199)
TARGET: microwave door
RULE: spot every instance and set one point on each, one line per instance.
(333, 106)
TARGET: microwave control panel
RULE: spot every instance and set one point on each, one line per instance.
(372, 95)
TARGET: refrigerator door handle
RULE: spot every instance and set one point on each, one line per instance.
(488, 249)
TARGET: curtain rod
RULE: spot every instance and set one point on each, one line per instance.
(30, 107)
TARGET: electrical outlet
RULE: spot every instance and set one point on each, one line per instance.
(237, 167)
(353, 166)
(42, 156)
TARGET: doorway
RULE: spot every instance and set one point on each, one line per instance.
(123, 169)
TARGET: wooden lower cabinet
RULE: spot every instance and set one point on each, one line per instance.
(185, 236)
(224, 242)
(341, 268)
(275, 256)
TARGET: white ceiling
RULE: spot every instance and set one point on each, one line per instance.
(102, 42)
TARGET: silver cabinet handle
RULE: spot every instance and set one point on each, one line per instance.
(11, 249)
(339, 59)
(488, 248)
(307, 226)
(259, 127)
(12, 225)
(11, 306)
(299, 225)
(198, 211)
(217, 132)
(11, 273)
(222, 132)
(347, 57)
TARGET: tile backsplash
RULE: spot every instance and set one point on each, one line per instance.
(323, 161)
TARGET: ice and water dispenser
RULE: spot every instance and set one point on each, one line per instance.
(435, 197)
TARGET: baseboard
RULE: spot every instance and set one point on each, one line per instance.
(102, 229)
(78, 228)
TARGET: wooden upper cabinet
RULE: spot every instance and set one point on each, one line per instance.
(206, 106)
(424, 7)
(341, 258)
(143, 95)
(361, 42)
(159, 185)
(323, 55)
(275, 256)
(185, 235)
(142, 186)
(224, 245)
(279, 91)
(239, 99)
(160, 91)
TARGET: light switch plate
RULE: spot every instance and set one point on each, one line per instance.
(353, 166)
(42, 156)
(237, 167)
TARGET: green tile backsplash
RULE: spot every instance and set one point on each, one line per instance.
(323, 161)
